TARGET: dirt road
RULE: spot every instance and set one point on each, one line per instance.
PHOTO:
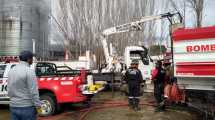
(107, 107)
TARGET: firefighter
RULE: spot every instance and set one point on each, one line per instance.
(158, 78)
(133, 78)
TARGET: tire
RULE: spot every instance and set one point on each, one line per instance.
(50, 106)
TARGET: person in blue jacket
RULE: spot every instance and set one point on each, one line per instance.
(133, 78)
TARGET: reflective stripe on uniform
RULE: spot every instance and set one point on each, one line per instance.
(133, 97)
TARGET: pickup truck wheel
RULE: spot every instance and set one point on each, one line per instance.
(50, 106)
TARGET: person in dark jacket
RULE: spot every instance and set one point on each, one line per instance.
(133, 78)
(159, 79)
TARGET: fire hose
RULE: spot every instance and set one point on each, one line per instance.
(97, 106)
(109, 104)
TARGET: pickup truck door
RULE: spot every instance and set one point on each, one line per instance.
(3, 80)
(4, 70)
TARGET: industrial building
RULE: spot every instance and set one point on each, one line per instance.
(21, 23)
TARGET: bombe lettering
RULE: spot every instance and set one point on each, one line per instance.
(200, 48)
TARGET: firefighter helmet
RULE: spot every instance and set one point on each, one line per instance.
(135, 62)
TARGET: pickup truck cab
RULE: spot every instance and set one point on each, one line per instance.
(57, 85)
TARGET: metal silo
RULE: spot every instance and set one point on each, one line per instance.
(9, 37)
(20, 22)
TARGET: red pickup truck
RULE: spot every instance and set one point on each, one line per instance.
(57, 85)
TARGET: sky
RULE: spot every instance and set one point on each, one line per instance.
(208, 17)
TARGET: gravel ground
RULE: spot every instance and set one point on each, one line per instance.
(117, 113)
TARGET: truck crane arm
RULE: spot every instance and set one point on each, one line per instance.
(135, 26)
(132, 26)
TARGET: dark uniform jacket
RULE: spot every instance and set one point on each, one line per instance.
(133, 75)
(160, 77)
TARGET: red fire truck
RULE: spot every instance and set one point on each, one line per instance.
(194, 65)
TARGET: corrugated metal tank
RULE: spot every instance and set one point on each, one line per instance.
(20, 22)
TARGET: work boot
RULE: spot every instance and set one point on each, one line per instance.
(130, 103)
(137, 108)
(159, 108)
(133, 103)
(136, 104)
(162, 105)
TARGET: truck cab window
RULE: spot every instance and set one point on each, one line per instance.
(43, 69)
(140, 55)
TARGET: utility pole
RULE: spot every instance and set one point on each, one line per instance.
(34, 48)
(184, 12)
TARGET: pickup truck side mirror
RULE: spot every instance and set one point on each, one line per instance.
(151, 60)
(145, 61)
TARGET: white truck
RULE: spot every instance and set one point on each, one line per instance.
(141, 54)
(132, 52)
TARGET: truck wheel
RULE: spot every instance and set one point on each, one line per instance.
(50, 105)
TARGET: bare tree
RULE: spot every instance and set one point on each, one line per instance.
(82, 22)
(197, 6)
